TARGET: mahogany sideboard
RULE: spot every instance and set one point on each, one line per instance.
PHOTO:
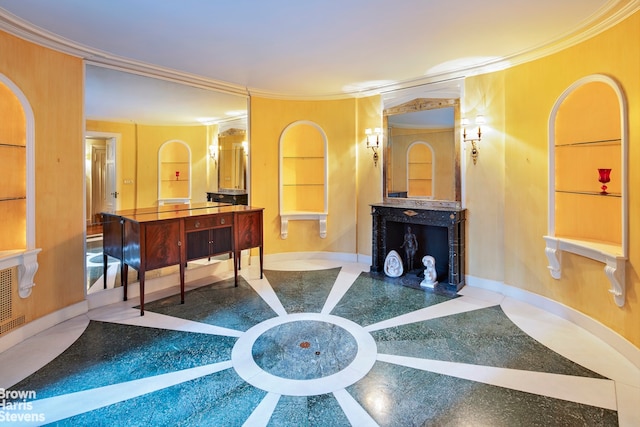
(152, 238)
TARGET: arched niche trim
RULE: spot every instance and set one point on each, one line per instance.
(421, 167)
(601, 142)
(303, 176)
(26, 259)
(174, 172)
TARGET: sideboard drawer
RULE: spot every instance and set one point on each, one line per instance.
(204, 222)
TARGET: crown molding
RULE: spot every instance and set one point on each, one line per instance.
(25, 30)
(606, 17)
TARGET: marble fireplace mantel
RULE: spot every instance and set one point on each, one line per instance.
(439, 229)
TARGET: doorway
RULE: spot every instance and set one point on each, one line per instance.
(101, 194)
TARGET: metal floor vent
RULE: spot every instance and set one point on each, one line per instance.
(7, 319)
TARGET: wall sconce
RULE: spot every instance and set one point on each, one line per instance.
(373, 144)
(474, 148)
(213, 153)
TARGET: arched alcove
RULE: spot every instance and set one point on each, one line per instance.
(17, 195)
(303, 175)
(588, 178)
(420, 170)
(174, 172)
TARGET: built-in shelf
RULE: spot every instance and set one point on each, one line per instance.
(303, 188)
(303, 157)
(174, 173)
(285, 217)
(602, 142)
(590, 193)
(611, 255)
(27, 262)
(572, 206)
(18, 162)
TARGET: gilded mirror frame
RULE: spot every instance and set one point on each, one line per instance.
(423, 104)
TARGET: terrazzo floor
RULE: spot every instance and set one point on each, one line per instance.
(318, 343)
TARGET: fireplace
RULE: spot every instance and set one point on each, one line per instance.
(439, 233)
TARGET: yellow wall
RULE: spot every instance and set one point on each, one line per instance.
(508, 213)
(269, 118)
(369, 176)
(53, 84)
(137, 160)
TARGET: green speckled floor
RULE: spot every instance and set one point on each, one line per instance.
(324, 347)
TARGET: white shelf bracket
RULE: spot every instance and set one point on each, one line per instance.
(607, 254)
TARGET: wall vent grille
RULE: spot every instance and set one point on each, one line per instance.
(7, 319)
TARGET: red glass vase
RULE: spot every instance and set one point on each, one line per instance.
(603, 177)
(178, 175)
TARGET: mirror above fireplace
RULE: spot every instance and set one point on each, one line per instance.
(421, 166)
(422, 162)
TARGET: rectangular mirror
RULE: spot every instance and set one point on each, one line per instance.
(421, 153)
(232, 170)
(129, 116)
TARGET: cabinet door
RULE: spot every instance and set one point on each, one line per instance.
(221, 239)
(197, 244)
(248, 231)
(162, 247)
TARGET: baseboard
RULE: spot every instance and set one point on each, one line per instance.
(42, 324)
(609, 336)
(293, 256)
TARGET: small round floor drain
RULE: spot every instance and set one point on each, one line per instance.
(305, 344)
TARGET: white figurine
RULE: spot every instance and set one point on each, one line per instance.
(429, 272)
(393, 265)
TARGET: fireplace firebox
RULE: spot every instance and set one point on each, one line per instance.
(439, 233)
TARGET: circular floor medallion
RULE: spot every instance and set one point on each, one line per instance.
(274, 355)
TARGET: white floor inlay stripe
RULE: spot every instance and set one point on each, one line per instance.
(69, 405)
(355, 413)
(348, 274)
(266, 292)
(454, 306)
(262, 414)
(588, 391)
(25, 358)
(98, 285)
(572, 341)
(628, 398)
(127, 316)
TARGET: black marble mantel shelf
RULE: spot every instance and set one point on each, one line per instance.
(440, 232)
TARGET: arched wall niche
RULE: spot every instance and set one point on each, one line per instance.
(17, 199)
(588, 136)
(174, 172)
(303, 175)
(421, 167)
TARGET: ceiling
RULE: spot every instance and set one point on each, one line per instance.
(311, 49)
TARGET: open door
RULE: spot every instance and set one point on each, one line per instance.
(111, 193)
(102, 193)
